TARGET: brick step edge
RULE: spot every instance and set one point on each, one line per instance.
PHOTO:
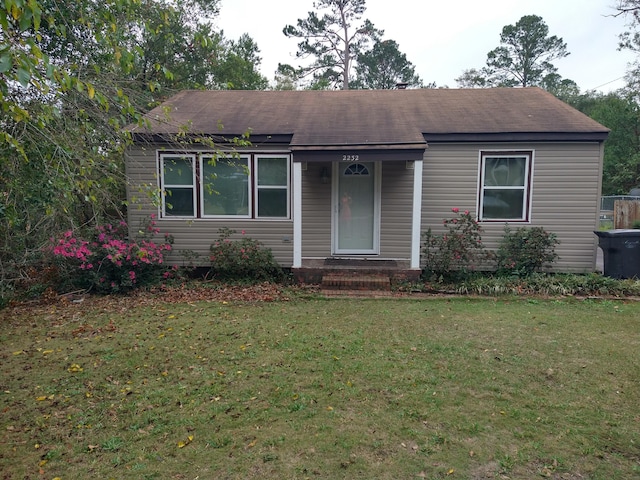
(356, 282)
(365, 293)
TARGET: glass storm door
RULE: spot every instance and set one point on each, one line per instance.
(355, 217)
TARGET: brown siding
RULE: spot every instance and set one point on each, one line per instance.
(565, 194)
(195, 235)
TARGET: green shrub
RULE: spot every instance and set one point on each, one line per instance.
(592, 284)
(245, 259)
(458, 250)
(636, 225)
(525, 251)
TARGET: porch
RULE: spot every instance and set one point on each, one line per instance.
(336, 273)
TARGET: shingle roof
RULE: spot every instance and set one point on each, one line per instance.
(321, 119)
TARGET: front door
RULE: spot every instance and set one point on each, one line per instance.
(356, 207)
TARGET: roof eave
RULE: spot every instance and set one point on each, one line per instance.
(359, 146)
(227, 138)
(517, 137)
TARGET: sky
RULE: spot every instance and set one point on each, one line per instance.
(443, 38)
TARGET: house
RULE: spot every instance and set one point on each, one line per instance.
(355, 177)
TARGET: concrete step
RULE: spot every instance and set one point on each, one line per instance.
(355, 281)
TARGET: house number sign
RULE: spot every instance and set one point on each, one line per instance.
(350, 158)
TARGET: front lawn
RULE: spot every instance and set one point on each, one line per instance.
(430, 388)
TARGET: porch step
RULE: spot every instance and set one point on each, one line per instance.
(355, 281)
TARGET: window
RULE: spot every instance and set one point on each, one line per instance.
(356, 169)
(212, 186)
(272, 185)
(178, 185)
(225, 186)
(505, 186)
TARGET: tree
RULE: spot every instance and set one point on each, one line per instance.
(620, 112)
(563, 88)
(630, 40)
(285, 80)
(474, 78)
(72, 76)
(628, 7)
(523, 58)
(237, 69)
(333, 41)
(384, 67)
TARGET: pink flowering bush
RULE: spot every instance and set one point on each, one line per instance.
(108, 261)
(456, 251)
(245, 259)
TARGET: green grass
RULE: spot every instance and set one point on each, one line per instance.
(357, 389)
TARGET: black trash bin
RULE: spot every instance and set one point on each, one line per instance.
(621, 249)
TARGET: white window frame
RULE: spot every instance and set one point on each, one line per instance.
(527, 188)
(257, 187)
(198, 185)
(165, 186)
(204, 157)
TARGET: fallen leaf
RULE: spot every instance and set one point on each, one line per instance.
(186, 442)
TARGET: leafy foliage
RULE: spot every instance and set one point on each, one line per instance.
(245, 259)
(458, 250)
(333, 40)
(525, 250)
(384, 67)
(592, 284)
(524, 58)
(620, 112)
(108, 262)
(237, 69)
(630, 39)
(72, 76)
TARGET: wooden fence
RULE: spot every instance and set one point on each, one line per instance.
(625, 212)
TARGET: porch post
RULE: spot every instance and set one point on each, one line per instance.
(297, 214)
(417, 214)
